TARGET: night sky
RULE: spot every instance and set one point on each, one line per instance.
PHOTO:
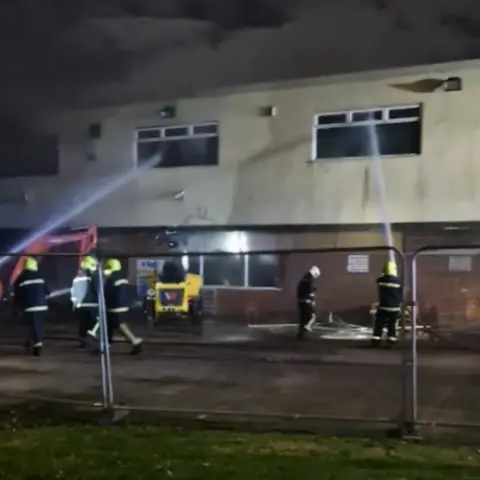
(93, 52)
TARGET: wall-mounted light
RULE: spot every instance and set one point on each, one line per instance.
(167, 112)
(179, 195)
(452, 84)
(268, 111)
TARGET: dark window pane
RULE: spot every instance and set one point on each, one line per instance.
(365, 116)
(263, 271)
(413, 112)
(341, 142)
(148, 151)
(149, 134)
(211, 129)
(330, 119)
(225, 271)
(193, 264)
(354, 141)
(176, 131)
(30, 156)
(188, 152)
(400, 138)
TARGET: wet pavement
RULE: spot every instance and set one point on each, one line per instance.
(275, 377)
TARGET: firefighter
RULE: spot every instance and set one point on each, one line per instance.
(94, 331)
(306, 301)
(149, 306)
(31, 293)
(117, 304)
(172, 272)
(149, 299)
(84, 296)
(389, 300)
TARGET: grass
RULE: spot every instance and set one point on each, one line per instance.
(143, 453)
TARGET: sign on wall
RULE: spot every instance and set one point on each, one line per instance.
(460, 263)
(358, 264)
(147, 270)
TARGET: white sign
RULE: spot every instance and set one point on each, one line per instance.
(358, 264)
(460, 263)
(147, 268)
(147, 264)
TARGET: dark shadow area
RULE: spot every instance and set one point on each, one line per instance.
(35, 41)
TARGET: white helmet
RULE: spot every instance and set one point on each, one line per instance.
(314, 271)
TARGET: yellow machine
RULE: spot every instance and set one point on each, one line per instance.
(179, 299)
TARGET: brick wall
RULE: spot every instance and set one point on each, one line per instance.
(446, 297)
(349, 295)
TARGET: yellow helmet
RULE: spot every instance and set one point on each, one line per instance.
(89, 263)
(391, 269)
(31, 264)
(113, 265)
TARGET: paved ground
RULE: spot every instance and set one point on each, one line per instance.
(262, 374)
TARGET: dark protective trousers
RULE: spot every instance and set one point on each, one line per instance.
(87, 318)
(385, 318)
(113, 322)
(305, 313)
(35, 323)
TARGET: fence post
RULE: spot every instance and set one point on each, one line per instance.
(107, 385)
(414, 365)
(410, 360)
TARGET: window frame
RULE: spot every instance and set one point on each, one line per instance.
(163, 138)
(351, 123)
(245, 285)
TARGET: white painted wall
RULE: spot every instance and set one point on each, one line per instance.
(265, 176)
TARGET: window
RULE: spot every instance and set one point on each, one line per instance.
(192, 264)
(349, 134)
(224, 270)
(263, 271)
(230, 265)
(178, 146)
(235, 270)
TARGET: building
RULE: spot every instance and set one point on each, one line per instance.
(284, 166)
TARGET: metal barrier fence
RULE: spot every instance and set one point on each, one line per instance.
(446, 319)
(62, 375)
(243, 359)
(250, 307)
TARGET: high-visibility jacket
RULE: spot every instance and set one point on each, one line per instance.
(116, 293)
(84, 291)
(30, 292)
(389, 293)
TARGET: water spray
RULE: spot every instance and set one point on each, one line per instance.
(80, 203)
(380, 186)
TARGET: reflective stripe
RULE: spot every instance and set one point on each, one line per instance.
(376, 338)
(122, 281)
(392, 339)
(118, 310)
(42, 308)
(32, 282)
(389, 309)
(38, 344)
(82, 279)
(389, 285)
(88, 305)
